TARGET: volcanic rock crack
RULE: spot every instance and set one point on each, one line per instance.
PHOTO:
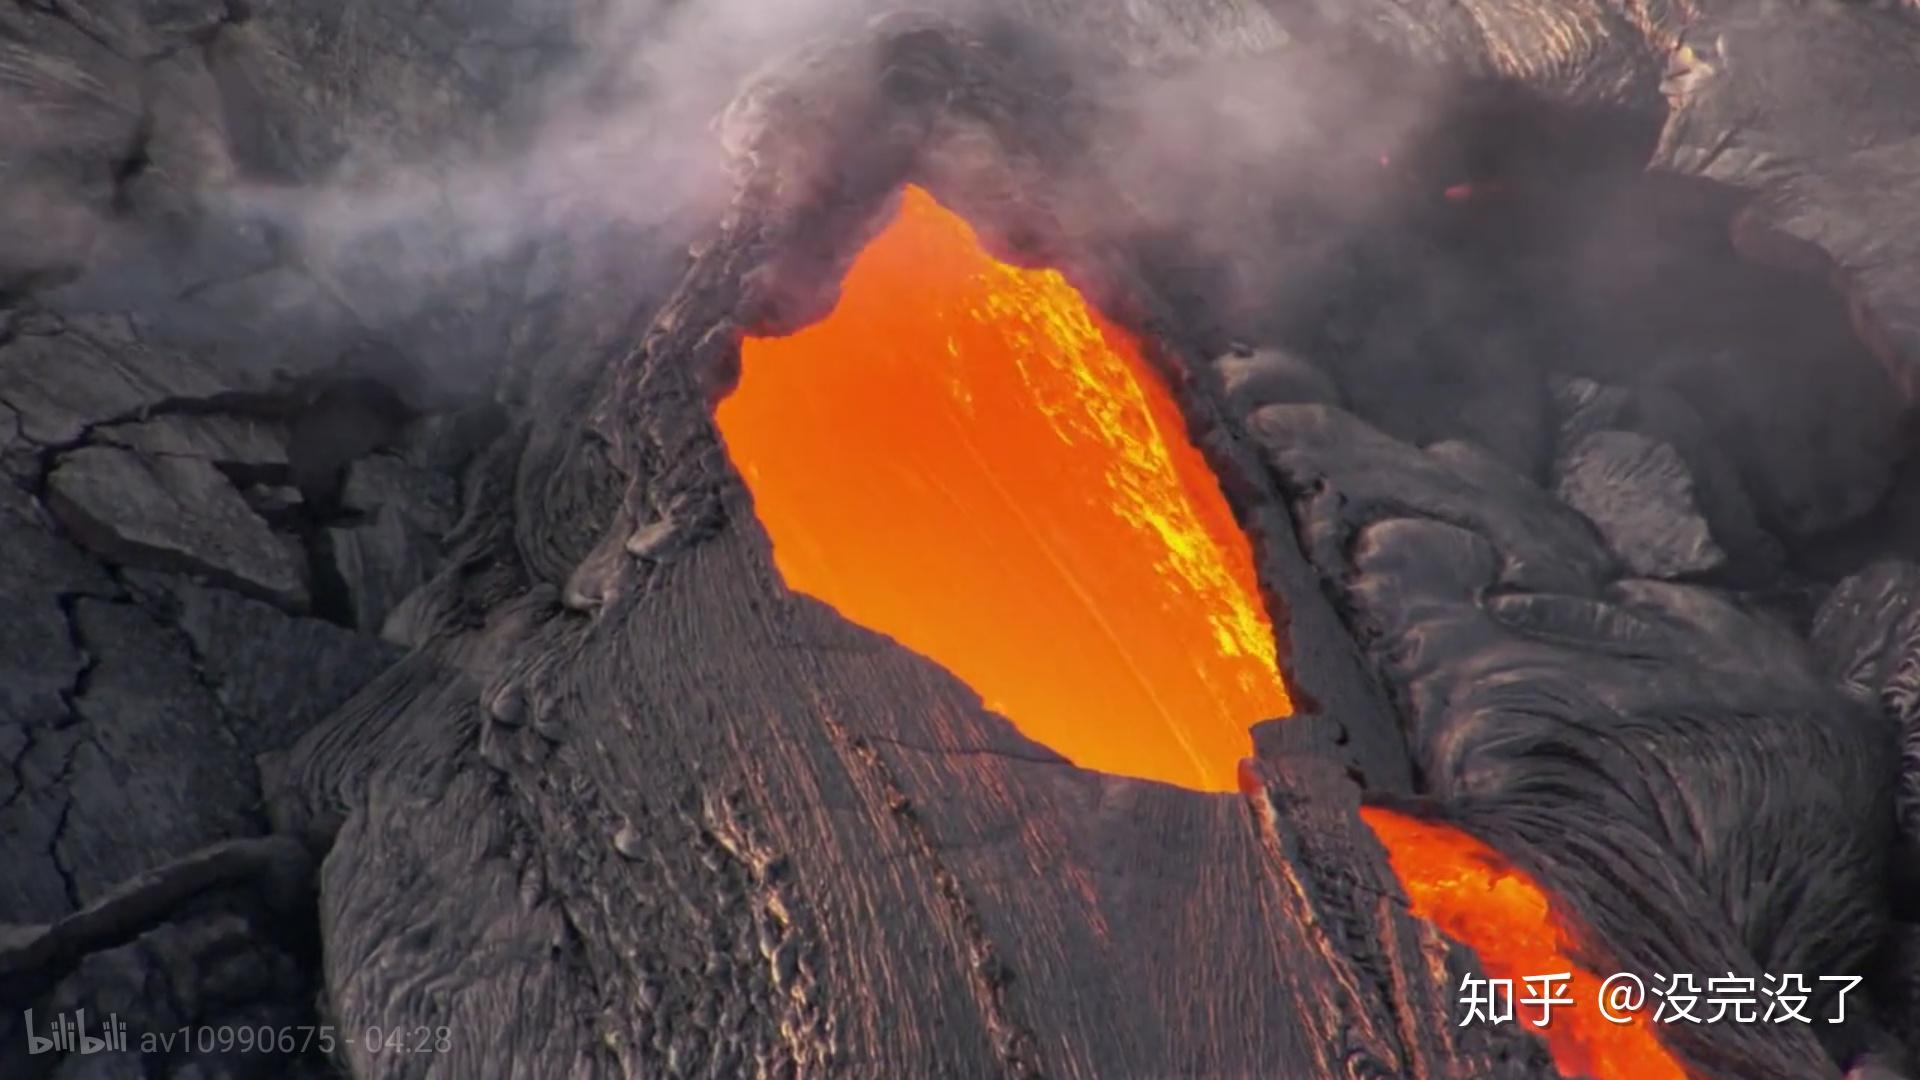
(987, 974)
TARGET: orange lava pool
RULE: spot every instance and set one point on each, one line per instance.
(966, 456)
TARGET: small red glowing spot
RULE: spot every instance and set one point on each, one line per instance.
(1465, 191)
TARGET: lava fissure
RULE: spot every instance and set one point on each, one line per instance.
(955, 413)
(968, 456)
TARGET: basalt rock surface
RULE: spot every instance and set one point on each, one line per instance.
(389, 644)
(1538, 708)
(1640, 495)
(1867, 635)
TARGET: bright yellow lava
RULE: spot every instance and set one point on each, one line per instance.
(968, 457)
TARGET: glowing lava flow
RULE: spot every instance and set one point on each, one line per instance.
(1468, 890)
(965, 455)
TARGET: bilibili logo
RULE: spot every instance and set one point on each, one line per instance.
(70, 1034)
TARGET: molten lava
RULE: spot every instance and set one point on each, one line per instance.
(965, 455)
(1469, 891)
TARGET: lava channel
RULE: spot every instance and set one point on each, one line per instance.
(968, 457)
(965, 455)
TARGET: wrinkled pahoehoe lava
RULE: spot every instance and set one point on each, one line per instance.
(391, 641)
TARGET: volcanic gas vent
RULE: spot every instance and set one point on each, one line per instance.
(965, 455)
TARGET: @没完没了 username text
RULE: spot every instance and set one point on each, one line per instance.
(1624, 997)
